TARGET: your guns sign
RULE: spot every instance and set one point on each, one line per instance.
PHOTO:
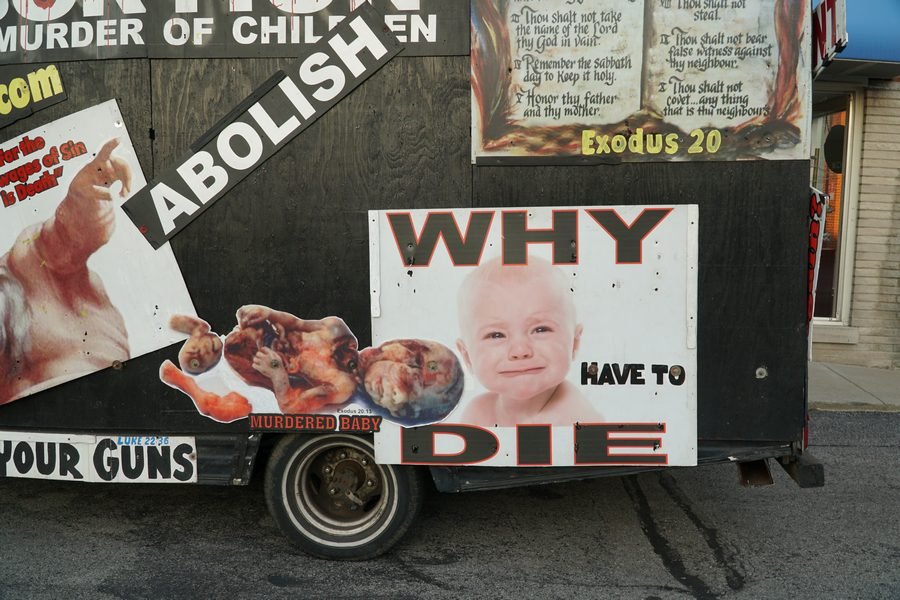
(576, 328)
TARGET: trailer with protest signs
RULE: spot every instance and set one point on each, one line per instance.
(353, 246)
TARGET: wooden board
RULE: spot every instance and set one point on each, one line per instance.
(293, 235)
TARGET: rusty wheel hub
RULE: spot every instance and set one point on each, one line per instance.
(344, 484)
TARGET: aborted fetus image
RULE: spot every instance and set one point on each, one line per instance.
(200, 353)
(314, 366)
(203, 349)
(416, 381)
(310, 365)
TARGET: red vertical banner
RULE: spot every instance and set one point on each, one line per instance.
(818, 208)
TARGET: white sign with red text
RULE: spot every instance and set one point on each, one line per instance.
(80, 289)
(575, 326)
(829, 32)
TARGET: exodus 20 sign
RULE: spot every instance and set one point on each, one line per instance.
(610, 81)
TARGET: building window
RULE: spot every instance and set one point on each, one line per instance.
(832, 166)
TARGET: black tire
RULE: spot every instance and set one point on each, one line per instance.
(330, 498)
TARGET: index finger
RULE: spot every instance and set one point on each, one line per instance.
(107, 149)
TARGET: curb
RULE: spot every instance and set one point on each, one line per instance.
(853, 407)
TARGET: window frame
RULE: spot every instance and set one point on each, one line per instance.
(851, 172)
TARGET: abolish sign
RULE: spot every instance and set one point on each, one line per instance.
(267, 120)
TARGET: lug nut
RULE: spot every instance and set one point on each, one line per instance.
(333, 491)
(365, 462)
(343, 455)
(370, 483)
(327, 470)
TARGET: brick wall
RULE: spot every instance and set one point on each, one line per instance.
(875, 302)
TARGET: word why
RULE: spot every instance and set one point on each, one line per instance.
(417, 248)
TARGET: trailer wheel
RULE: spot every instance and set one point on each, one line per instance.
(330, 498)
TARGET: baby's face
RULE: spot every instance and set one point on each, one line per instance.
(520, 338)
(200, 353)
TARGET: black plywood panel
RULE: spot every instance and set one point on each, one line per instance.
(90, 83)
(751, 281)
(293, 235)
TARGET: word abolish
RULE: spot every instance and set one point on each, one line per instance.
(107, 459)
(264, 123)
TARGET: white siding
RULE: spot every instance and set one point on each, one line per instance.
(875, 301)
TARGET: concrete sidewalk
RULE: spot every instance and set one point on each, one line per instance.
(841, 387)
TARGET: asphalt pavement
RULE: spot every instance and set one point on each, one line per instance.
(666, 535)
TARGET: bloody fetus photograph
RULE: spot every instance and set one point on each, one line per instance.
(413, 380)
(79, 291)
(311, 366)
(47, 267)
